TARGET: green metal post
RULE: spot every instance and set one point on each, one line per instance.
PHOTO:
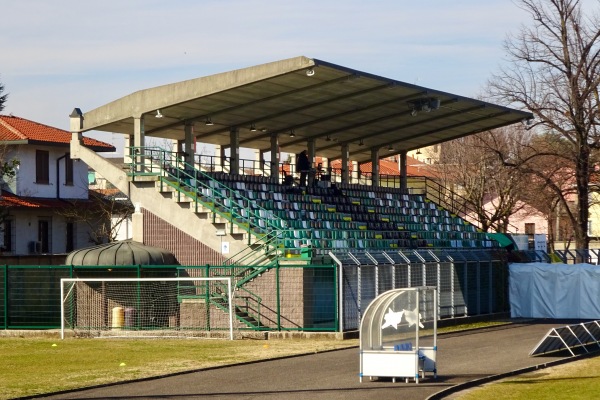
(278, 293)
(207, 298)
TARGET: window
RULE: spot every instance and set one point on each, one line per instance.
(68, 170)
(529, 229)
(8, 236)
(70, 240)
(44, 234)
(42, 167)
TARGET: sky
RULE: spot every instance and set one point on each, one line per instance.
(61, 54)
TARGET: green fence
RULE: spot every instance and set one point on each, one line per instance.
(282, 297)
(290, 297)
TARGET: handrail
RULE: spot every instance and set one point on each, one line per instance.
(258, 301)
(217, 297)
(208, 192)
(271, 234)
(452, 201)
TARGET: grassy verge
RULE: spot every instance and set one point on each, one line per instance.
(33, 366)
(37, 365)
(571, 381)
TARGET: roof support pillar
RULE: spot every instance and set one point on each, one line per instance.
(403, 179)
(179, 146)
(234, 151)
(76, 124)
(259, 161)
(274, 157)
(217, 161)
(139, 139)
(263, 164)
(189, 143)
(345, 161)
(375, 167)
(128, 149)
(355, 172)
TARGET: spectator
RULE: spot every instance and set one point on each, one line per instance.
(302, 166)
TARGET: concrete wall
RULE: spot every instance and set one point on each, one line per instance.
(24, 183)
(187, 249)
(25, 225)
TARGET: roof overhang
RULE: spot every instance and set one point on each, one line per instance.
(314, 99)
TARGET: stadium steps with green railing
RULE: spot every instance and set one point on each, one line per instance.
(219, 299)
(208, 209)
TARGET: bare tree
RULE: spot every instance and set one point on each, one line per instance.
(3, 97)
(548, 177)
(483, 187)
(8, 166)
(102, 213)
(554, 73)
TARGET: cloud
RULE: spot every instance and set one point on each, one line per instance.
(66, 53)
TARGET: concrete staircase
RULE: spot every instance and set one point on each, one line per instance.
(166, 202)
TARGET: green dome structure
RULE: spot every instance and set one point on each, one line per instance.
(126, 252)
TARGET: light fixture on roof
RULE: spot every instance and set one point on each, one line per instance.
(208, 122)
(361, 143)
(425, 105)
(292, 133)
(252, 128)
(390, 148)
(328, 138)
(418, 151)
(310, 72)
(158, 114)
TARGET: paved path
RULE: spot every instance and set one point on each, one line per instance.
(334, 375)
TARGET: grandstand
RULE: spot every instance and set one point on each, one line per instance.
(374, 237)
(323, 219)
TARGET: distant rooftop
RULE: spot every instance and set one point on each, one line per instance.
(16, 130)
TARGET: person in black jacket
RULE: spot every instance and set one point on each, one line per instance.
(302, 166)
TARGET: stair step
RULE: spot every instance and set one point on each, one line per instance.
(203, 208)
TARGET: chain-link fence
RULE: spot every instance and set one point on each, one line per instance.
(469, 282)
(290, 297)
(324, 297)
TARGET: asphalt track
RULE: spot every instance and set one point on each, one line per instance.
(462, 357)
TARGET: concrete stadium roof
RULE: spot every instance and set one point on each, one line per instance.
(313, 99)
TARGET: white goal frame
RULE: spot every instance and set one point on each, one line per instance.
(230, 292)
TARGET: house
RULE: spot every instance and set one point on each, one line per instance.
(36, 204)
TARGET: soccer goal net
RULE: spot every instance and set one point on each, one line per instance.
(147, 307)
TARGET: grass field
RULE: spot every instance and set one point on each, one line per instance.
(33, 366)
(571, 381)
(36, 365)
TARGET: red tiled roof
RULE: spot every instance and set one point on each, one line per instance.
(388, 167)
(20, 129)
(12, 200)
(385, 168)
(106, 192)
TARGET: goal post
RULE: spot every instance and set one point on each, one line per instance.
(147, 307)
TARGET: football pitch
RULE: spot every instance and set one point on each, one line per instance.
(36, 365)
(32, 365)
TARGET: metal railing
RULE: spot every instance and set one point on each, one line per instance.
(265, 231)
(30, 295)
